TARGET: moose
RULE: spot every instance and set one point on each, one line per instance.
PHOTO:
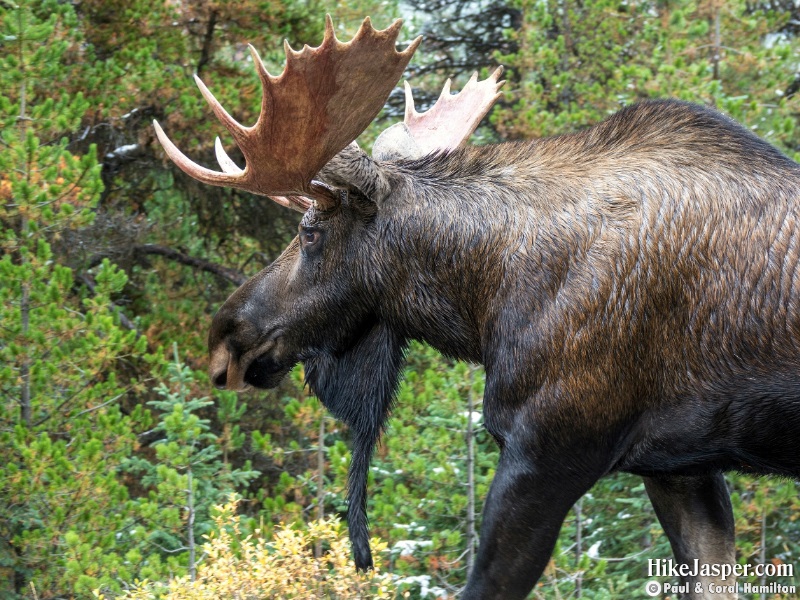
(631, 289)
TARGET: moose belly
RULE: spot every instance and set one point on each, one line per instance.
(750, 424)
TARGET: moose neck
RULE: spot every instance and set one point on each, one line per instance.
(465, 232)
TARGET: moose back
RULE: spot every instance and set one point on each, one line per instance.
(632, 291)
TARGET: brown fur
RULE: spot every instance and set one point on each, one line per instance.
(630, 289)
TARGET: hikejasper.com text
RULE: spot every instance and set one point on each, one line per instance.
(670, 568)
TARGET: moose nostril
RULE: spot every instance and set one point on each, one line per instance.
(218, 363)
(220, 380)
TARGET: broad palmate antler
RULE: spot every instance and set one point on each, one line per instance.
(443, 127)
(325, 97)
(454, 117)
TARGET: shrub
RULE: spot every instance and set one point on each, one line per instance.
(248, 567)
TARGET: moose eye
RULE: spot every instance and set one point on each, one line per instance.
(309, 237)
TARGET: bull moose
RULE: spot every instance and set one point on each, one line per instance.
(632, 291)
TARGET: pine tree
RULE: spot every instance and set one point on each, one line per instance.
(187, 476)
(62, 434)
(578, 62)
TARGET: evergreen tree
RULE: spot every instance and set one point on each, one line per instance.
(62, 433)
(186, 477)
(578, 62)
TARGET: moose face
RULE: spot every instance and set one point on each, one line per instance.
(308, 301)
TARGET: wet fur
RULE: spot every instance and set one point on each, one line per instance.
(654, 255)
(631, 290)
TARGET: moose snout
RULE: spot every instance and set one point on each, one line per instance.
(224, 371)
(218, 367)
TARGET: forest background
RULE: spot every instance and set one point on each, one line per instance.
(122, 472)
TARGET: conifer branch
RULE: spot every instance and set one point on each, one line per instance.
(226, 273)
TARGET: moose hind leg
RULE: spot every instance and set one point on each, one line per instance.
(696, 514)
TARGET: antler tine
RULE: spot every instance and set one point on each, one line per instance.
(263, 74)
(225, 162)
(298, 203)
(190, 167)
(324, 98)
(454, 117)
(329, 29)
(237, 130)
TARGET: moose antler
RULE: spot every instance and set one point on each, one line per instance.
(445, 126)
(449, 122)
(325, 97)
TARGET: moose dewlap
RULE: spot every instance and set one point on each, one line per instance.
(632, 291)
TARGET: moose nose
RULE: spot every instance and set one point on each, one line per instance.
(220, 379)
(218, 366)
(225, 370)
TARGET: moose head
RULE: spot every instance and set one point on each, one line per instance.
(321, 293)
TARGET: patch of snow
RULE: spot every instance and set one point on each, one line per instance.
(775, 39)
(408, 547)
(424, 583)
(123, 151)
(412, 527)
(476, 416)
(594, 550)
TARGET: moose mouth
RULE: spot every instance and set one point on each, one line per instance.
(262, 372)
(265, 372)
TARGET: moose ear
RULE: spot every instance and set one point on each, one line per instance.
(353, 168)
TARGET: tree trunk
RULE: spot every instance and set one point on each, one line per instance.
(763, 554)
(26, 411)
(190, 525)
(321, 480)
(578, 547)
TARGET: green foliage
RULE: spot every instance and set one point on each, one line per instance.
(419, 492)
(62, 432)
(186, 477)
(578, 62)
(766, 511)
(112, 451)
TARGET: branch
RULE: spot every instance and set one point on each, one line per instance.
(106, 403)
(89, 282)
(208, 38)
(226, 273)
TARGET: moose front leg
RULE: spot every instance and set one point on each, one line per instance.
(526, 505)
(697, 517)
